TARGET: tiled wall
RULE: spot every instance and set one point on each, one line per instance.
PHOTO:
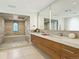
(1, 29)
(8, 28)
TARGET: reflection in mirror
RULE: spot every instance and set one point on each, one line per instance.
(46, 23)
(44, 17)
(63, 13)
(54, 25)
(71, 23)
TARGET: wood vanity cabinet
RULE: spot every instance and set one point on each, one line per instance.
(51, 48)
(54, 49)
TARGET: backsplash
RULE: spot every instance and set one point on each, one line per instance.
(62, 33)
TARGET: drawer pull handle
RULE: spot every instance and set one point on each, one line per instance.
(69, 51)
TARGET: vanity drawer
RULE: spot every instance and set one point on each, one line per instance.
(53, 46)
(47, 50)
(67, 55)
(35, 39)
(50, 43)
(71, 49)
(69, 52)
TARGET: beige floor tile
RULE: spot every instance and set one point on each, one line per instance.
(26, 52)
(3, 55)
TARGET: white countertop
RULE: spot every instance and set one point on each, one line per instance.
(60, 39)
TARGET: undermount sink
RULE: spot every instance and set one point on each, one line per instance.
(45, 34)
(52, 35)
(56, 36)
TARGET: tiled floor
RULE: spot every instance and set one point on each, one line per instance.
(23, 52)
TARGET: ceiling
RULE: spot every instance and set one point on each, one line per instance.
(24, 5)
(58, 8)
(63, 8)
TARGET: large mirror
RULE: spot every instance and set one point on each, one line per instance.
(60, 15)
(44, 19)
(71, 23)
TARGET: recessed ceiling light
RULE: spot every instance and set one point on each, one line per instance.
(68, 10)
(12, 6)
(74, 3)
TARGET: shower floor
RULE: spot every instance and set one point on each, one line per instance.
(14, 42)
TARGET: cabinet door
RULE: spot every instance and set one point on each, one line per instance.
(69, 52)
(54, 46)
(67, 56)
(33, 39)
(72, 49)
(75, 56)
(70, 57)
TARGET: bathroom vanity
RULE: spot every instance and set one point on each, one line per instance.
(57, 47)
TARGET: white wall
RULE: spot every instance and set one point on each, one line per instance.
(41, 22)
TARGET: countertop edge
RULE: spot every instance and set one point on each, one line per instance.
(69, 42)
